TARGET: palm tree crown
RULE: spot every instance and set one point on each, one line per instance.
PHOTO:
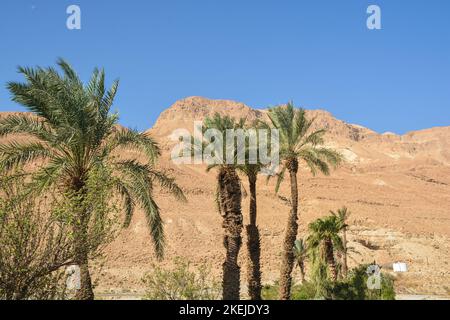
(299, 143)
(324, 241)
(342, 217)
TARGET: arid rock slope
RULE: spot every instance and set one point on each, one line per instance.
(397, 188)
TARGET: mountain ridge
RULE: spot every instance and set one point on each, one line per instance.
(353, 140)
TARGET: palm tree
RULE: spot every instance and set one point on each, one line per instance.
(251, 171)
(343, 215)
(74, 134)
(297, 144)
(324, 241)
(229, 197)
(300, 254)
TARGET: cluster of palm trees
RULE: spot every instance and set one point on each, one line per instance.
(328, 241)
(326, 249)
(298, 144)
(74, 134)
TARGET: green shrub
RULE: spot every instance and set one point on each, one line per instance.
(352, 288)
(355, 287)
(305, 291)
(34, 245)
(270, 292)
(181, 283)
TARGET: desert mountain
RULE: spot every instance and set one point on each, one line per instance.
(397, 188)
(357, 143)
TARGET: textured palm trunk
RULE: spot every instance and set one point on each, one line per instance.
(82, 260)
(253, 246)
(329, 253)
(344, 256)
(290, 236)
(85, 291)
(230, 202)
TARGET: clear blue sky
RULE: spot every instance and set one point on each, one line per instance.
(318, 53)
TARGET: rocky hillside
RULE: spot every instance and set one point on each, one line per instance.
(397, 188)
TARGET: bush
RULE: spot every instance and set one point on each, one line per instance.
(355, 287)
(352, 288)
(34, 246)
(305, 291)
(181, 283)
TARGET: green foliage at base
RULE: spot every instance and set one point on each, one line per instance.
(352, 288)
(181, 283)
(305, 291)
(355, 287)
(34, 245)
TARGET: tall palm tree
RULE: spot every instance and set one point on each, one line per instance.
(229, 198)
(343, 215)
(298, 143)
(74, 134)
(300, 254)
(251, 171)
(324, 241)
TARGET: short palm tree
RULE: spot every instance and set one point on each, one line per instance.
(298, 143)
(324, 242)
(300, 254)
(73, 134)
(229, 198)
(343, 215)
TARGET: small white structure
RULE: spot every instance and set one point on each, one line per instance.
(400, 267)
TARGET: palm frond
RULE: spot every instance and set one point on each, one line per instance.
(133, 139)
(14, 155)
(140, 186)
(48, 175)
(128, 201)
(167, 183)
(24, 124)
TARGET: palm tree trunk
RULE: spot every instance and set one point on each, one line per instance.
(290, 236)
(253, 246)
(329, 252)
(230, 201)
(81, 245)
(344, 256)
(85, 291)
